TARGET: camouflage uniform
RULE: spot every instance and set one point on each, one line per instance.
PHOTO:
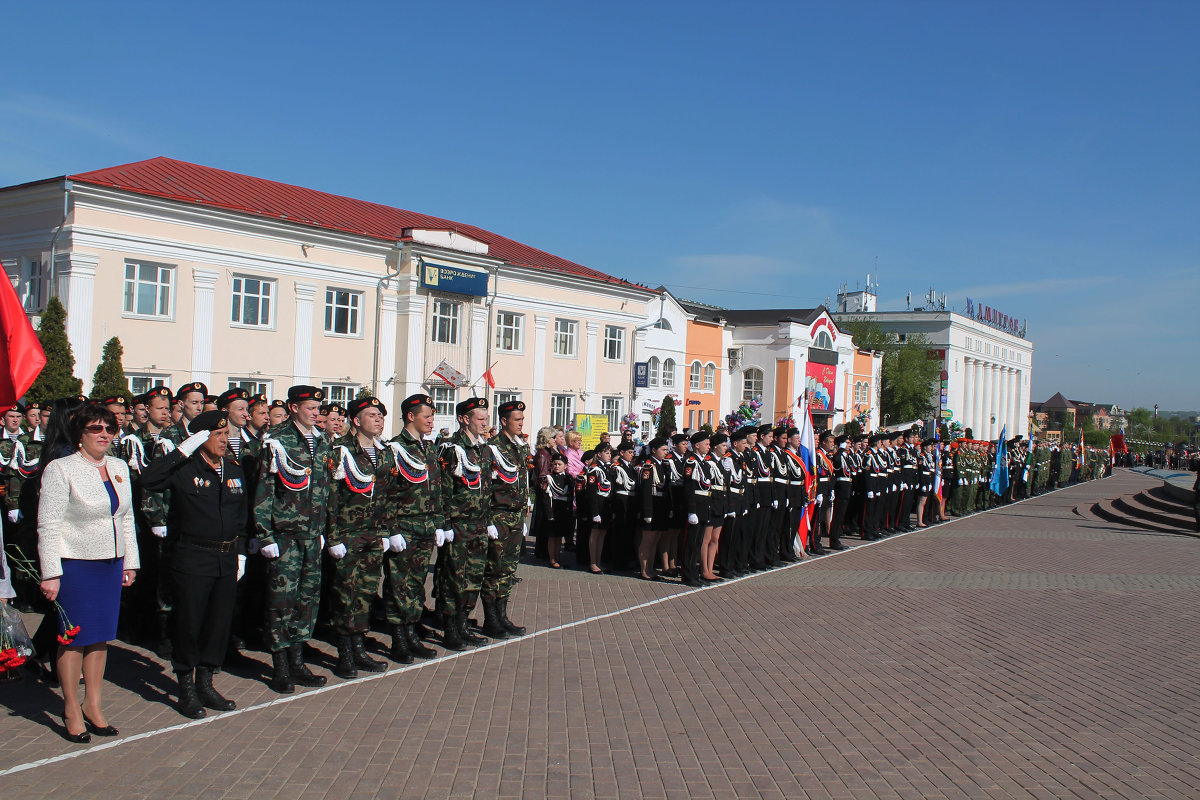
(415, 496)
(466, 487)
(291, 493)
(510, 503)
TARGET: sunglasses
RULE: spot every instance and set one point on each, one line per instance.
(97, 428)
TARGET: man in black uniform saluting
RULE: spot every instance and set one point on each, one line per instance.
(207, 519)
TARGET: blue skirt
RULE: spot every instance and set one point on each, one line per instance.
(90, 594)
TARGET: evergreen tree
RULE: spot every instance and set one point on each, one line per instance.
(109, 378)
(57, 378)
(666, 420)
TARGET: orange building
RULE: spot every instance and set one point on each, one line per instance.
(704, 362)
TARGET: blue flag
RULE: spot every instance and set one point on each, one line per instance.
(1000, 472)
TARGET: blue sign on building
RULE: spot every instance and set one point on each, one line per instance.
(641, 374)
(459, 280)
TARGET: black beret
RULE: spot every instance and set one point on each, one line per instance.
(278, 404)
(558, 457)
(793, 432)
(158, 391)
(229, 395)
(873, 438)
(512, 405)
(763, 430)
(588, 455)
(113, 398)
(20, 409)
(297, 394)
(360, 403)
(34, 406)
(826, 434)
(840, 440)
(210, 398)
(208, 421)
(624, 447)
(335, 408)
(469, 405)
(415, 401)
(699, 436)
(658, 442)
(255, 399)
(138, 400)
(679, 437)
(740, 434)
(779, 431)
(194, 386)
(719, 438)
(897, 435)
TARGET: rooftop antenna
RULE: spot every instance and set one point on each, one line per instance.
(908, 301)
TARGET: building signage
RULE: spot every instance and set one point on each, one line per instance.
(641, 374)
(459, 280)
(820, 383)
(990, 316)
(590, 426)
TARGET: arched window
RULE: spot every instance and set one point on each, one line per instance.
(662, 324)
(823, 341)
(752, 384)
(668, 374)
(652, 371)
(694, 378)
(710, 377)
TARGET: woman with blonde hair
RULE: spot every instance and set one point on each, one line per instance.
(549, 440)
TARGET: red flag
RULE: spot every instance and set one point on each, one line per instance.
(21, 356)
(487, 377)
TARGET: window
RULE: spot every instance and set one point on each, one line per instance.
(652, 370)
(148, 289)
(339, 392)
(252, 386)
(508, 331)
(444, 401)
(862, 392)
(562, 409)
(252, 301)
(564, 337)
(140, 384)
(445, 321)
(668, 374)
(611, 408)
(662, 324)
(691, 419)
(710, 417)
(710, 377)
(342, 312)
(752, 384)
(499, 399)
(694, 377)
(36, 283)
(614, 343)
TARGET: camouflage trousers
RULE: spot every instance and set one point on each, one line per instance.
(293, 592)
(354, 583)
(404, 584)
(459, 570)
(500, 572)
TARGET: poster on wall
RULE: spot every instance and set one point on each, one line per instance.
(820, 382)
(590, 426)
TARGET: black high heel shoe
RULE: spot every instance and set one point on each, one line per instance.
(77, 738)
(107, 730)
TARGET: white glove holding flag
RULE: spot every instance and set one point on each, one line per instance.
(338, 551)
(193, 442)
(397, 542)
(385, 544)
(693, 519)
(449, 534)
(270, 550)
(492, 532)
(439, 537)
(160, 531)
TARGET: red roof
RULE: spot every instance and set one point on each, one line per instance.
(200, 185)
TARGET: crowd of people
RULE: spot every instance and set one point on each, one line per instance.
(197, 523)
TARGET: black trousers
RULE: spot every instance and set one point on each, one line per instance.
(693, 537)
(730, 544)
(203, 616)
(841, 502)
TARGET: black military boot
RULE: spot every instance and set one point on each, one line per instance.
(300, 672)
(345, 667)
(467, 635)
(281, 681)
(189, 702)
(162, 647)
(492, 625)
(361, 659)
(414, 643)
(512, 628)
(451, 637)
(400, 652)
(209, 695)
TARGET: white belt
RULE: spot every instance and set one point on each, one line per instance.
(781, 480)
(623, 494)
(702, 492)
(736, 491)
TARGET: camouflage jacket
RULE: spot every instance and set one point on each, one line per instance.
(359, 499)
(510, 473)
(19, 465)
(417, 490)
(292, 488)
(466, 478)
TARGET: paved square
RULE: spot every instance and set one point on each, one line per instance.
(1026, 652)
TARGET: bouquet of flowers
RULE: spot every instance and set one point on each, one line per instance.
(15, 644)
(29, 569)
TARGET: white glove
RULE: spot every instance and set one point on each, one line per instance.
(597, 518)
(727, 463)
(252, 546)
(492, 532)
(385, 544)
(449, 534)
(14, 516)
(731, 514)
(647, 520)
(757, 506)
(774, 504)
(322, 542)
(693, 519)
(270, 550)
(193, 442)
(439, 536)
(524, 528)
(870, 495)
(397, 542)
(160, 531)
(241, 567)
(338, 551)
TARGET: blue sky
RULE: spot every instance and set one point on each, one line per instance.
(1041, 158)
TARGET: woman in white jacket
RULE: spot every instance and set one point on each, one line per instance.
(88, 551)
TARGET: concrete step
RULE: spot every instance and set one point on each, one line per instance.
(1106, 511)
(1159, 496)
(1135, 506)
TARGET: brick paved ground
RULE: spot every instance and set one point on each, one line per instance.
(1026, 652)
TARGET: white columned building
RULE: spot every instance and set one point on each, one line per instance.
(302, 357)
(205, 283)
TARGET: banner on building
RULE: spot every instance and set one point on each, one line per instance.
(448, 375)
(459, 280)
(590, 426)
(821, 384)
(641, 374)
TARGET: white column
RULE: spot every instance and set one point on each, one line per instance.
(388, 306)
(205, 283)
(76, 274)
(1020, 410)
(537, 403)
(412, 368)
(968, 392)
(479, 349)
(985, 402)
(977, 404)
(994, 430)
(592, 403)
(302, 357)
(1002, 402)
